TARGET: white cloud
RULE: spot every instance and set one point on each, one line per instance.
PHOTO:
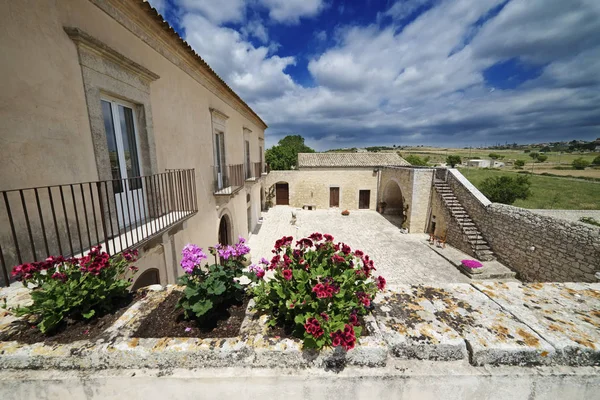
(248, 69)
(290, 11)
(217, 11)
(159, 5)
(404, 8)
(257, 29)
(419, 83)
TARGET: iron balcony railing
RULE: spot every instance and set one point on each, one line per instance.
(69, 219)
(228, 179)
(253, 171)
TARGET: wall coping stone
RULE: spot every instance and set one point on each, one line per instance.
(470, 187)
(478, 323)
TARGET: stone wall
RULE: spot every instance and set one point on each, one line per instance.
(415, 187)
(446, 225)
(542, 248)
(311, 186)
(539, 248)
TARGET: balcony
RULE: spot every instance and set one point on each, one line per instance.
(228, 180)
(69, 219)
(253, 172)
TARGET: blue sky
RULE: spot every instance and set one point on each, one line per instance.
(405, 72)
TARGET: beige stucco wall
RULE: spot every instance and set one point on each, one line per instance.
(45, 135)
(311, 186)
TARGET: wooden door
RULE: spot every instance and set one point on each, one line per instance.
(282, 194)
(334, 197)
(364, 199)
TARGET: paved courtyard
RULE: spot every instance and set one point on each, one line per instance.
(400, 258)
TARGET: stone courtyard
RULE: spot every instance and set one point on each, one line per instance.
(400, 258)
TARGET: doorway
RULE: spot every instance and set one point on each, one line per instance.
(123, 152)
(334, 197)
(364, 199)
(224, 231)
(282, 194)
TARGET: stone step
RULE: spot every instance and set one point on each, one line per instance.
(475, 237)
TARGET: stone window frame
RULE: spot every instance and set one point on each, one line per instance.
(218, 120)
(106, 72)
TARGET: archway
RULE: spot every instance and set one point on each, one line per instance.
(147, 278)
(225, 230)
(393, 203)
(282, 193)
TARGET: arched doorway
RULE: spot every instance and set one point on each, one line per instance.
(225, 230)
(393, 203)
(147, 278)
(282, 193)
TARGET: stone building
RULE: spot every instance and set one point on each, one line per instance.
(124, 134)
(325, 180)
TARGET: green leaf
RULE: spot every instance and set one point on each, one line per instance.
(202, 307)
(89, 314)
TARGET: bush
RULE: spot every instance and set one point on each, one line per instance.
(75, 288)
(596, 160)
(416, 160)
(210, 288)
(519, 164)
(494, 156)
(318, 291)
(580, 163)
(542, 158)
(534, 155)
(506, 189)
(453, 159)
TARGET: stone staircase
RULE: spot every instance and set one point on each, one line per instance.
(478, 243)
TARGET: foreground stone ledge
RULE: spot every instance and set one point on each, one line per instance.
(271, 351)
(482, 323)
(438, 322)
(567, 315)
(400, 379)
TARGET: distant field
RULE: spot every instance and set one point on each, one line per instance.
(438, 155)
(548, 192)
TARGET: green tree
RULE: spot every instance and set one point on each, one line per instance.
(413, 159)
(453, 159)
(534, 155)
(596, 160)
(284, 156)
(519, 164)
(506, 189)
(542, 157)
(580, 163)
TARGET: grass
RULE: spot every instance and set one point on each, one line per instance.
(439, 155)
(548, 192)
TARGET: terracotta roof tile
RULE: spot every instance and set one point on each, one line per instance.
(312, 160)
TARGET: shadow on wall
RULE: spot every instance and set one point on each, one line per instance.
(149, 277)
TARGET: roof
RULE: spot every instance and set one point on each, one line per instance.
(162, 22)
(315, 160)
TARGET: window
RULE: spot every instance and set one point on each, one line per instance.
(247, 158)
(220, 160)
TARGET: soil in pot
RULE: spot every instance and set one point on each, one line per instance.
(70, 330)
(166, 321)
(282, 332)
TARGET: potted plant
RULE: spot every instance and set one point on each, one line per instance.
(319, 290)
(472, 266)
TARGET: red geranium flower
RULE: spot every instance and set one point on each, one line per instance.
(287, 274)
